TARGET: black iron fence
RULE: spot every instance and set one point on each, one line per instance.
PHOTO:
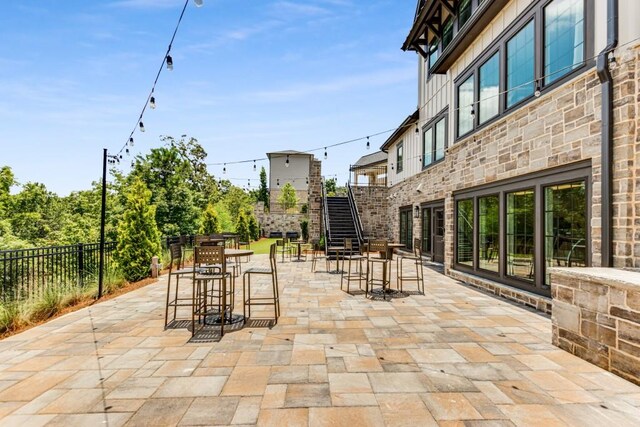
(26, 273)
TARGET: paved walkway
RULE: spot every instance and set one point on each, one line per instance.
(333, 359)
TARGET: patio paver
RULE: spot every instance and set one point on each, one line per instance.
(452, 355)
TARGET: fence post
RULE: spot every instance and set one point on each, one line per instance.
(81, 264)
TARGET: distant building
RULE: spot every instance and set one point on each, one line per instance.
(288, 167)
(370, 170)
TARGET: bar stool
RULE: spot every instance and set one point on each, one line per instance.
(317, 254)
(357, 257)
(416, 259)
(381, 247)
(177, 270)
(209, 266)
(274, 299)
(282, 246)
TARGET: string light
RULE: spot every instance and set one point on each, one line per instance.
(169, 63)
(131, 142)
(127, 151)
(132, 164)
(368, 145)
(537, 92)
(152, 103)
(224, 169)
(278, 182)
(473, 112)
(307, 180)
(254, 165)
(325, 153)
(286, 162)
(417, 128)
(198, 3)
(142, 129)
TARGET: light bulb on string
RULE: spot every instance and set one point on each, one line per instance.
(224, 169)
(198, 3)
(286, 162)
(131, 142)
(537, 92)
(142, 129)
(132, 164)
(152, 103)
(473, 113)
(126, 151)
(278, 182)
(325, 153)
(307, 180)
(417, 128)
(169, 63)
(368, 144)
(254, 165)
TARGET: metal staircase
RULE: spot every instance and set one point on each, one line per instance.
(341, 221)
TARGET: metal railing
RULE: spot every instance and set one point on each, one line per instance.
(368, 176)
(355, 214)
(27, 273)
(325, 216)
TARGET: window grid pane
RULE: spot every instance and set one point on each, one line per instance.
(565, 226)
(520, 65)
(427, 147)
(489, 233)
(465, 105)
(440, 139)
(489, 89)
(563, 38)
(464, 238)
(520, 234)
(399, 157)
(464, 12)
(426, 230)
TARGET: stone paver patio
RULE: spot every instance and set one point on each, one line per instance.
(450, 357)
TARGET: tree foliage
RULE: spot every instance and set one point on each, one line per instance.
(138, 235)
(288, 199)
(263, 190)
(210, 221)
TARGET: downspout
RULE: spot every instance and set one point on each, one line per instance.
(606, 84)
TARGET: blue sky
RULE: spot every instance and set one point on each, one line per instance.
(249, 77)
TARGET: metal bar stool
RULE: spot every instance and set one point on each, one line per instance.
(177, 270)
(351, 255)
(416, 259)
(380, 247)
(274, 299)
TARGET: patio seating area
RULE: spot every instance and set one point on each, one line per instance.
(333, 358)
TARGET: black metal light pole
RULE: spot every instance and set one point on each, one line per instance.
(102, 221)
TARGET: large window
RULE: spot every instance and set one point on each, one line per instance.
(465, 106)
(489, 101)
(399, 157)
(520, 65)
(520, 234)
(434, 53)
(447, 33)
(563, 37)
(565, 226)
(434, 140)
(489, 233)
(543, 48)
(464, 237)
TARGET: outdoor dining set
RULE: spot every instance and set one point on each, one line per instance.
(217, 262)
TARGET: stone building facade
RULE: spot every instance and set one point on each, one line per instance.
(522, 159)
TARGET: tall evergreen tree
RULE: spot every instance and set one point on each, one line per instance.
(210, 221)
(263, 191)
(138, 235)
(242, 227)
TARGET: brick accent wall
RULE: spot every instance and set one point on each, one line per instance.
(561, 127)
(315, 196)
(373, 207)
(596, 316)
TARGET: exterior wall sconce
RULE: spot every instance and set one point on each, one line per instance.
(416, 211)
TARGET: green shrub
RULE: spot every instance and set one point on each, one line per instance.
(11, 316)
(304, 226)
(242, 227)
(46, 305)
(254, 228)
(210, 222)
(138, 235)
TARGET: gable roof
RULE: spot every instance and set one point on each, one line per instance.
(400, 130)
(370, 159)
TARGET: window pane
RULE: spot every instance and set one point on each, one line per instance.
(520, 234)
(489, 232)
(427, 147)
(433, 53)
(565, 226)
(447, 33)
(406, 227)
(426, 230)
(520, 65)
(465, 105)
(563, 37)
(440, 140)
(399, 157)
(464, 12)
(464, 242)
(489, 88)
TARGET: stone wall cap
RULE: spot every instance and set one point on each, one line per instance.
(610, 276)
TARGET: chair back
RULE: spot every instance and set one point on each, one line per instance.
(280, 242)
(199, 239)
(417, 248)
(176, 256)
(272, 257)
(209, 255)
(378, 246)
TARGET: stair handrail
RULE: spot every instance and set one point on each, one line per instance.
(325, 216)
(355, 214)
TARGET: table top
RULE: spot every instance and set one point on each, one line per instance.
(396, 245)
(230, 253)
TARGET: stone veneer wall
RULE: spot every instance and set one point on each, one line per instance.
(596, 316)
(561, 127)
(315, 199)
(373, 207)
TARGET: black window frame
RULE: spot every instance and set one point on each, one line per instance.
(539, 181)
(534, 12)
(400, 157)
(431, 124)
(430, 206)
